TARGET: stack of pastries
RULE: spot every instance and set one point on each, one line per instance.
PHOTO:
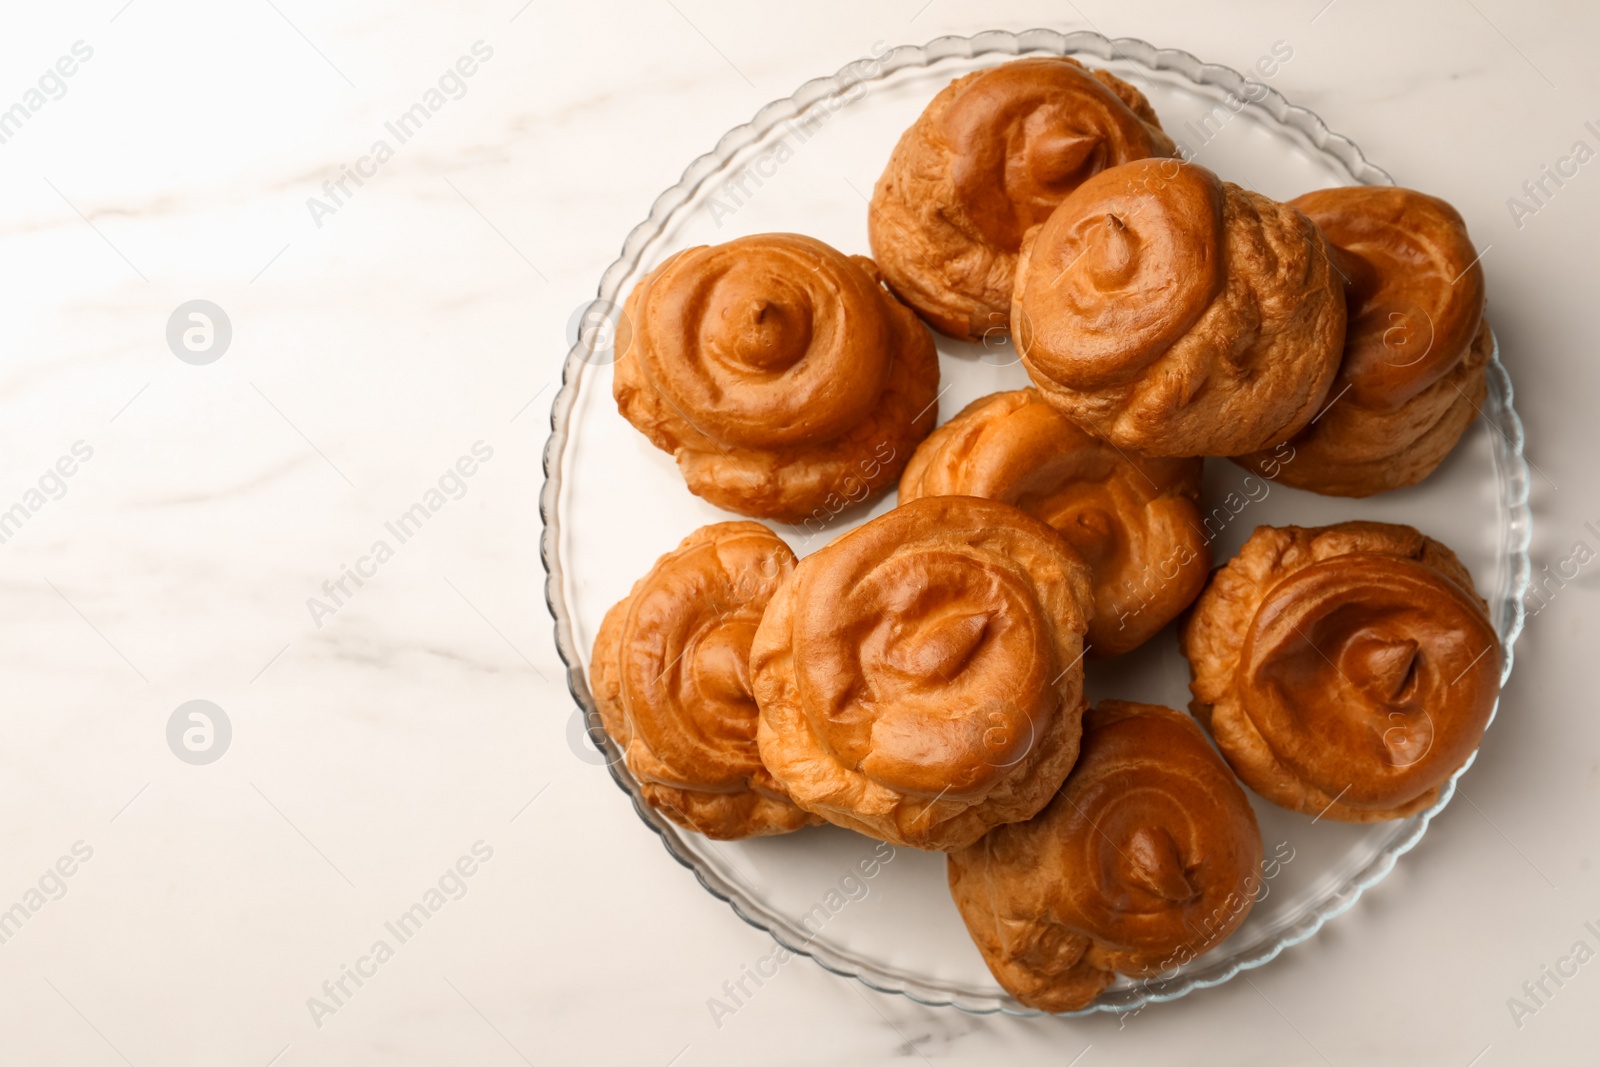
(920, 679)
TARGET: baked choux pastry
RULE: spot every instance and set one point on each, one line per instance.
(1148, 857)
(780, 374)
(989, 159)
(1175, 314)
(920, 678)
(1416, 349)
(1133, 519)
(671, 676)
(1346, 671)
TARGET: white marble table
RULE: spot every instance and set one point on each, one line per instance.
(412, 732)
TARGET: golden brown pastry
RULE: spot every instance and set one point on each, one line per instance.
(671, 676)
(1345, 671)
(1416, 349)
(1147, 857)
(779, 373)
(991, 157)
(920, 679)
(1176, 314)
(1131, 518)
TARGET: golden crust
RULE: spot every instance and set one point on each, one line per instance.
(1149, 856)
(778, 372)
(670, 675)
(989, 158)
(1133, 519)
(1345, 671)
(920, 679)
(1412, 377)
(1176, 314)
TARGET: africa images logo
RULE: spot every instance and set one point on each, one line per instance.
(451, 85)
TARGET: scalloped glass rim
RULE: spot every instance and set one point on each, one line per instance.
(1510, 467)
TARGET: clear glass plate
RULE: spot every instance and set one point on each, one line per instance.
(612, 503)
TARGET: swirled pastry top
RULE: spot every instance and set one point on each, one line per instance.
(920, 678)
(990, 158)
(1133, 519)
(671, 677)
(1176, 314)
(1416, 348)
(778, 371)
(1345, 671)
(1415, 288)
(1149, 856)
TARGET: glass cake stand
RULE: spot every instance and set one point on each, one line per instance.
(612, 504)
